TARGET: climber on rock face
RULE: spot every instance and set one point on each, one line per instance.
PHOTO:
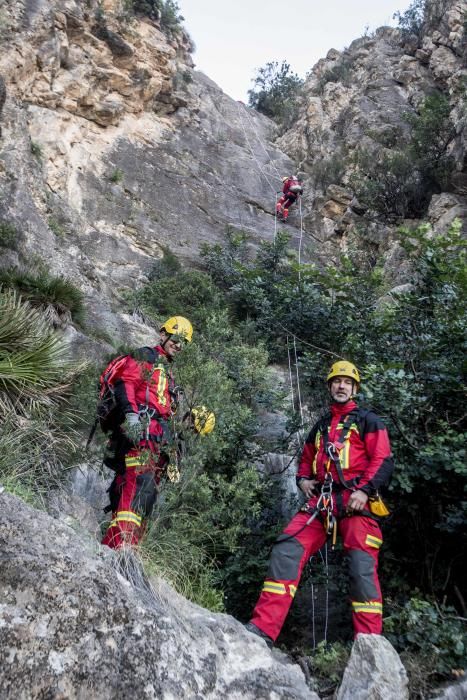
(345, 461)
(291, 191)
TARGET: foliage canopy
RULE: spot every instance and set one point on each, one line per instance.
(276, 92)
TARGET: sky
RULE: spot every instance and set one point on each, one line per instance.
(235, 37)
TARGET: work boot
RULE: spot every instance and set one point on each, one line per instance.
(250, 627)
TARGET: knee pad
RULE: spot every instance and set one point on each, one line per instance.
(114, 491)
(146, 494)
(362, 568)
(285, 559)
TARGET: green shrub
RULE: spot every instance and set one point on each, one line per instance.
(400, 182)
(191, 291)
(56, 296)
(8, 236)
(432, 641)
(411, 21)
(166, 11)
(276, 93)
(116, 175)
(35, 371)
(328, 171)
(326, 665)
(36, 150)
(56, 227)
(340, 72)
(31, 356)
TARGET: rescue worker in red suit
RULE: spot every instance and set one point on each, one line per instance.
(144, 391)
(366, 465)
(292, 189)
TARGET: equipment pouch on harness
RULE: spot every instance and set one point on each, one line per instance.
(377, 506)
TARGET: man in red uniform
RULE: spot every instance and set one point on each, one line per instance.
(346, 460)
(292, 189)
(144, 391)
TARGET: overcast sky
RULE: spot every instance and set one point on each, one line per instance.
(235, 37)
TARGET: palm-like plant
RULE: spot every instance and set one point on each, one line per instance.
(34, 362)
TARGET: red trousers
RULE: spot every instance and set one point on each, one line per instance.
(283, 204)
(132, 497)
(361, 539)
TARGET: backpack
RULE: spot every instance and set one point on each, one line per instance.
(108, 413)
(296, 188)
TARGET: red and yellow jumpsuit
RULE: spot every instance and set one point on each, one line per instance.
(366, 456)
(143, 386)
(288, 197)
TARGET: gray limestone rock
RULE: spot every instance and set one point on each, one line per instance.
(374, 671)
(72, 626)
(458, 691)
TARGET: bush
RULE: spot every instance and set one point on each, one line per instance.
(166, 11)
(411, 353)
(209, 536)
(340, 72)
(328, 171)
(8, 236)
(116, 175)
(399, 183)
(432, 642)
(35, 371)
(57, 297)
(411, 21)
(276, 93)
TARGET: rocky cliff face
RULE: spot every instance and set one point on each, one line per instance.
(113, 147)
(358, 99)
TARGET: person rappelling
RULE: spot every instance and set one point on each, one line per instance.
(345, 462)
(291, 190)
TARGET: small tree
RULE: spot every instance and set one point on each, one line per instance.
(411, 21)
(276, 92)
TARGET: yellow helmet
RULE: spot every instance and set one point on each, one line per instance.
(204, 420)
(344, 369)
(178, 326)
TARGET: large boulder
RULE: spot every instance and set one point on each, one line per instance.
(72, 626)
(374, 671)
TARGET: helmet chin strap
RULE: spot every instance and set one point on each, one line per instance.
(166, 340)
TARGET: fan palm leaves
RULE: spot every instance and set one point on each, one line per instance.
(34, 362)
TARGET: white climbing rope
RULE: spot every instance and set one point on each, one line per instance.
(290, 375)
(260, 167)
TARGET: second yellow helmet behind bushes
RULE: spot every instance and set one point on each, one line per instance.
(204, 420)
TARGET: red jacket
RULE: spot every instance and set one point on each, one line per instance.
(143, 383)
(365, 455)
(288, 184)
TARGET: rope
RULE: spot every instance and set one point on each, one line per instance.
(298, 386)
(313, 615)
(315, 347)
(290, 375)
(301, 240)
(260, 168)
(275, 219)
(261, 143)
(295, 338)
(326, 569)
